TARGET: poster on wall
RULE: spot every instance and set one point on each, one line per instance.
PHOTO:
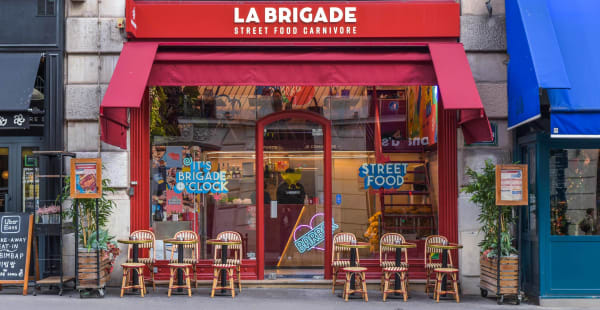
(422, 115)
(86, 178)
(511, 185)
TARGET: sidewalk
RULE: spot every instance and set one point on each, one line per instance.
(250, 299)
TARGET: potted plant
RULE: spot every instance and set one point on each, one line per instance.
(482, 188)
(92, 237)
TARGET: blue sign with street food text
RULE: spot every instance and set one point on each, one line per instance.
(386, 176)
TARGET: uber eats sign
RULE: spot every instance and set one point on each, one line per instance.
(386, 176)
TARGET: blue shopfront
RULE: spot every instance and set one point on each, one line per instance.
(554, 113)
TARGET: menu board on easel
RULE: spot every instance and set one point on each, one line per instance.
(15, 247)
(86, 178)
(511, 185)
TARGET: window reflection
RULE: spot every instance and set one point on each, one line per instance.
(574, 192)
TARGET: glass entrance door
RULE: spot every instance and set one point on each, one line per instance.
(19, 191)
(293, 198)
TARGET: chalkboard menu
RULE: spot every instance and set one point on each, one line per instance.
(15, 245)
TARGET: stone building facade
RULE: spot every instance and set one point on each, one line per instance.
(93, 43)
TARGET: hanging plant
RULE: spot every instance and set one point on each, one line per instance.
(482, 188)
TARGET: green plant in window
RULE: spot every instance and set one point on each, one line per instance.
(87, 212)
(166, 103)
(482, 188)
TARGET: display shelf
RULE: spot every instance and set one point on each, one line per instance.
(46, 231)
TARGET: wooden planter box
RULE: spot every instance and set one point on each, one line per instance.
(88, 269)
(509, 275)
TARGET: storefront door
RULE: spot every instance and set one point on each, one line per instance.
(294, 154)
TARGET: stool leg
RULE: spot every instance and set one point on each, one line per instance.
(151, 267)
(187, 281)
(347, 286)
(124, 281)
(403, 284)
(214, 284)
(386, 284)
(195, 275)
(141, 281)
(231, 274)
(455, 283)
(239, 273)
(438, 289)
(170, 281)
(364, 286)
(428, 275)
(334, 279)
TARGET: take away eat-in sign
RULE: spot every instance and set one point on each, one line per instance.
(293, 20)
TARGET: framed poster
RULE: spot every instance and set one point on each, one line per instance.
(86, 178)
(511, 185)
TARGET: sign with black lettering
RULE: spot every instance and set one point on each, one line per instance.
(15, 246)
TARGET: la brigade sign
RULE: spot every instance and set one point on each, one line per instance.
(387, 176)
(199, 179)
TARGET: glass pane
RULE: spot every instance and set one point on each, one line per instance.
(574, 192)
(198, 132)
(294, 213)
(3, 179)
(31, 185)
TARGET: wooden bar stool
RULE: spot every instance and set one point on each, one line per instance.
(149, 259)
(361, 282)
(391, 272)
(174, 267)
(430, 263)
(337, 260)
(440, 272)
(128, 269)
(217, 269)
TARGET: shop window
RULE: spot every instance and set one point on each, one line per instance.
(214, 127)
(574, 192)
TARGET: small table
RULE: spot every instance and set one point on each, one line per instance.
(180, 244)
(399, 247)
(136, 246)
(224, 250)
(353, 254)
(445, 248)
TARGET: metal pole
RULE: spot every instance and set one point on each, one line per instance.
(499, 251)
(97, 246)
(60, 201)
(76, 224)
(519, 250)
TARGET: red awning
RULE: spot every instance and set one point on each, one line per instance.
(458, 90)
(125, 90)
(293, 67)
(139, 66)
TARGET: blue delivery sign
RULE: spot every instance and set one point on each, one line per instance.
(386, 176)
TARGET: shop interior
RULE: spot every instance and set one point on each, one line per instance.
(217, 124)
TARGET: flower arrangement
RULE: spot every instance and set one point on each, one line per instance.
(373, 231)
(49, 214)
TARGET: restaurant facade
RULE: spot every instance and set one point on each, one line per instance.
(31, 111)
(553, 114)
(289, 122)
